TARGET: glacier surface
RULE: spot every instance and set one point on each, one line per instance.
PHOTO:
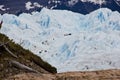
(69, 41)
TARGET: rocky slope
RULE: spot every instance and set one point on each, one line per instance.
(15, 60)
(80, 6)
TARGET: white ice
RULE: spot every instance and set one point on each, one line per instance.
(67, 40)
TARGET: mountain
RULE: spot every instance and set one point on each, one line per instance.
(80, 6)
(64, 38)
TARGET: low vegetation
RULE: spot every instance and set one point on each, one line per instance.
(11, 52)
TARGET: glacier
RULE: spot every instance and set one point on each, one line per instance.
(67, 40)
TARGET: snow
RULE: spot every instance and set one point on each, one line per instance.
(95, 1)
(67, 40)
(73, 2)
(117, 2)
(2, 8)
(29, 5)
(37, 4)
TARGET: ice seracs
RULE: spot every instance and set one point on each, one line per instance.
(69, 41)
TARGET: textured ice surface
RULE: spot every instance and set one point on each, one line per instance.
(69, 41)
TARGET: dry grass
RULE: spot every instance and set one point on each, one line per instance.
(90, 75)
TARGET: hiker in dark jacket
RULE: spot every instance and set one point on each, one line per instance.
(1, 24)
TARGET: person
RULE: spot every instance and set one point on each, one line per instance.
(1, 24)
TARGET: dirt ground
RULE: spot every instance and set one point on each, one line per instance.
(89, 75)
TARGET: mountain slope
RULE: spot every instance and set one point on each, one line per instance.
(80, 6)
(64, 38)
(8, 66)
